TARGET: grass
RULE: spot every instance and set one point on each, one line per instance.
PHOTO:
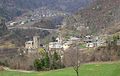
(104, 69)
(82, 46)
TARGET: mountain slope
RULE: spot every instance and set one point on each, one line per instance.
(99, 16)
(11, 8)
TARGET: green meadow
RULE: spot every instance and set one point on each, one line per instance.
(100, 69)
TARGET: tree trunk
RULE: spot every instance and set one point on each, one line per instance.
(77, 72)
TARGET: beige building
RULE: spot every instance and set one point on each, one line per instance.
(29, 44)
(33, 44)
(36, 41)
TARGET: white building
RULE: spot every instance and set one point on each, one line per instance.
(55, 45)
(59, 40)
(67, 45)
(90, 45)
(74, 39)
(94, 41)
(13, 23)
(118, 42)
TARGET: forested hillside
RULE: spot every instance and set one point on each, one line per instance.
(11, 8)
(100, 17)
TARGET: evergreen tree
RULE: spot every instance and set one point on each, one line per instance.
(47, 61)
(55, 56)
(37, 64)
(56, 61)
(3, 28)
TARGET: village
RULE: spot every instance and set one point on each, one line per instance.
(60, 45)
(35, 16)
(34, 48)
(59, 37)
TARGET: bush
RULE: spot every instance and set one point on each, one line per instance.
(37, 64)
(47, 63)
(1, 68)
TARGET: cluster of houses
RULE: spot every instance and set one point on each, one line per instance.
(64, 45)
(96, 41)
(92, 41)
(45, 12)
(61, 45)
(36, 15)
(20, 22)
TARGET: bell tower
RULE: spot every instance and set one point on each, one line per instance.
(36, 42)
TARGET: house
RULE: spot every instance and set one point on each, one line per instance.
(61, 45)
(29, 44)
(118, 42)
(58, 39)
(22, 23)
(74, 39)
(90, 45)
(89, 41)
(94, 41)
(13, 23)
(56, 46)
(67, 45)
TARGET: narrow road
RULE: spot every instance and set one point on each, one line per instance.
(32, 28)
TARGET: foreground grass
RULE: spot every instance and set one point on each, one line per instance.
(104, 69)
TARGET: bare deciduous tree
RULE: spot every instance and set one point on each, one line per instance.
(74, 58)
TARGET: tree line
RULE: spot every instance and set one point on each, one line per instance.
(48, 62)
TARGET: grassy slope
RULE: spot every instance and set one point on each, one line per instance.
(86, 70)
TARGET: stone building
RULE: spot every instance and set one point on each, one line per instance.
(29, 44)
(34, 44)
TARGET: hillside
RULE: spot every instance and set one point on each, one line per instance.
(54, 4)
(100, 17)
(12, 8)
(3, 28)
(97, 69)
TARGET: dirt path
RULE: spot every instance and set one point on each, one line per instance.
(8, 69)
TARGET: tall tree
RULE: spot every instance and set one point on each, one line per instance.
(3, 27)
(37, 64)
(47, 61)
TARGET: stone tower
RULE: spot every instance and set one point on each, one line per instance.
(36, 42)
